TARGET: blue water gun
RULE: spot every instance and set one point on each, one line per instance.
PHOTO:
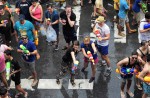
(146, 26)
(128, 70)
(75, 66)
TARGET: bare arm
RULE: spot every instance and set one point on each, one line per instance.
(94, 48)
(73, 57)
(121, 63)
(107, 37)
(145, 30)
(84, 53)
(142, 74)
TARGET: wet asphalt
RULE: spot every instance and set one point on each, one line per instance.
(104, 87)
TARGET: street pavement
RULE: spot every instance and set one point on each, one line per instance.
(48, 65)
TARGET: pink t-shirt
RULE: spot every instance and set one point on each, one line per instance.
(2, 62)
(37, 13)
(3, 47)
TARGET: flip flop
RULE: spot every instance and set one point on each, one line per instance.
(122, 95)
(130, 94)
(139, 87)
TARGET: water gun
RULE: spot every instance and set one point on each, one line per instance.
(75, 66)
(90, 57)
(146, 26)
(127, 70)
(4, 22)
(17, 10)
(8, 70)
(22, 47)
(144, 7)
(36, 41)
(97, 33)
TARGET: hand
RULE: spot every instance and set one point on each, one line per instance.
(29, 54)
(68, 15)
(100, 38)
(122, 73)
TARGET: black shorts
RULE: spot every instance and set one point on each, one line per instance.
(16, 79)
(93, 2)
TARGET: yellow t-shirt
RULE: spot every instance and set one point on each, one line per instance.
(99, 5)
(115, 5)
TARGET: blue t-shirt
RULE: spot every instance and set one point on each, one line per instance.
(123, 7)
(136, 6)
(29, 46)
(89, 48)
(25, 29)
(54, 16)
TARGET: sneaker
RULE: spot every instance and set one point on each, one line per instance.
(91, 79)
(108, 72)
(56, 47)
(65, 47)
(34, 82)
(104, 62)
(26, 95)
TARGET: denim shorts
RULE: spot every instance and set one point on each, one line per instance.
(146, 88)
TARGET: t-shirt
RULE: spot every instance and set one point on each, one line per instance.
(103, 31)
(29, 46)
(145, 35)
(123, 7)
(24, 9)
(67, 57)
(6, 19)
(3, 47)
(15, 66)
(54, 16)
(89, 48)
(2, 62)
(25, 29)
(136, 6)
(99, 5)
(67, 29)
(115, 5)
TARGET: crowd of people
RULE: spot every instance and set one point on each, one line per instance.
(32, 16)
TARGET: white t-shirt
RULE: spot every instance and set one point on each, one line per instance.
(3, 47)
(146, 35)
(103, 31)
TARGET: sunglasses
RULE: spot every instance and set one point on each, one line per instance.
(135, 58)
(24, 38)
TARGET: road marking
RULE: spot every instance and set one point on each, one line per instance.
(49, 84)
(81, 84)
(117, 38)
(93, 37)
(77, 11)
(25, 84)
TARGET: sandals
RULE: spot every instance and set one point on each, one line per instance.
(17, 95)
(130, 94)
(122, 95)
(139, 87)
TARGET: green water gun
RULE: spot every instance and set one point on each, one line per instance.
(8, 70)
(144, 7)
(22, 47)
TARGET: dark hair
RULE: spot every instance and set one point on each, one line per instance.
(147, 15)
(7, 52)
(68, 6)
(143, 43)
(134, 52)
(76, 43)
(148, 57)
(49, 5)
(33, 0)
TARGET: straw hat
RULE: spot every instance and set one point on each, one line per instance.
(100, 19)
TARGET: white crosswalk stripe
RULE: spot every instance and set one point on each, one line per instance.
(51, 84)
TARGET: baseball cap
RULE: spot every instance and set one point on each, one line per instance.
(21, 17)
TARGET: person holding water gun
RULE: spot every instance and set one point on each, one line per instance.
(86, 46)
(145, 71)
(15, 73)
(67, 63)
(29, 51)
(103, 42)
(145, 32)
(128, 62)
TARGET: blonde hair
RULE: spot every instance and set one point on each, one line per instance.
(86, 39)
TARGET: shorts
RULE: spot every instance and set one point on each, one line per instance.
(122, 21)
(16, 79)
(146, 88)
(69, 38)
(137, 16)
(103, 49)
(31, 65)
(125, 79)
(87, 60)
(93, 2)
(66, 66)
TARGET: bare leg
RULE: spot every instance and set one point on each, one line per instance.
(128, 88)
(144, 95)
(3, 75)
